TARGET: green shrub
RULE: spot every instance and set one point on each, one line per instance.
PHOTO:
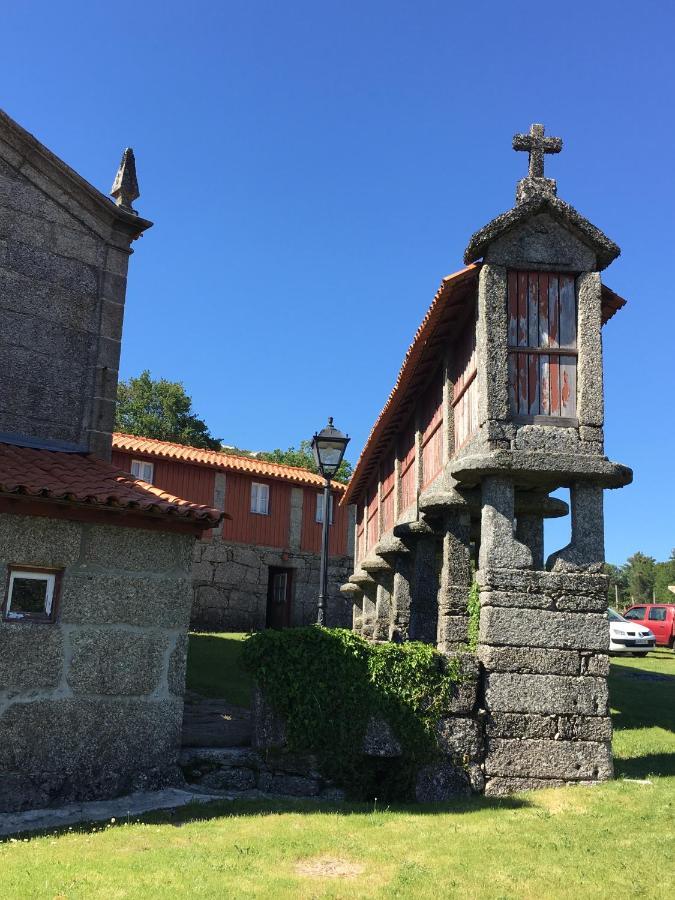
(326, 683)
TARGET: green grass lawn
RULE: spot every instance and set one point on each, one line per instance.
(609, 841)
(214, 667)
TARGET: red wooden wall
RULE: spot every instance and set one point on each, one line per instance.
(465, 391)
(543, 322)
(181, 479)
(196, 483)
(408, 473)
(312, 530)
(432, 429)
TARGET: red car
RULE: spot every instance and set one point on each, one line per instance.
(658, 617)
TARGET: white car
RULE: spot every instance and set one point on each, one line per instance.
(628, 637)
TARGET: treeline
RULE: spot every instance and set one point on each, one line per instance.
(641, 579)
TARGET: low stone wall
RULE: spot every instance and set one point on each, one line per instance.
(458, 769)
(91, 705)
(231, 581)
(543, 645)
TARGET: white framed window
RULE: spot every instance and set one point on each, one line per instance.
(31, 594)
(143, 470)
(260, 498)
(319, 509)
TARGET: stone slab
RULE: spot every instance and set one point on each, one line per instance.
(120, 810)
(529, 659)
(543, 628)
(566, 760)
(546, 694)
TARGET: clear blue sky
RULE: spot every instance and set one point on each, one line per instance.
(314, 169)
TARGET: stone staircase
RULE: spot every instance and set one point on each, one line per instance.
(217, 757)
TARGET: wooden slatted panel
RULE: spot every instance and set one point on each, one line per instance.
(432, 456)
(408, 474)
(541, 317)
(373, 524)
(388, 511)
(465, 391)
(432, 430)
(388, 474)
(360, 532)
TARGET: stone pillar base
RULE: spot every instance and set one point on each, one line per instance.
(543, 644)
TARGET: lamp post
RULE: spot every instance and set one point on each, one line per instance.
(328, 447)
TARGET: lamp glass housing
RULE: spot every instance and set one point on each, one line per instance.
(328, 447)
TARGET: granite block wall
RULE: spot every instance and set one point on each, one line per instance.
(231, 582)
(91, 705)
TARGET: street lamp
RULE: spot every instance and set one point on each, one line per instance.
(328, 447)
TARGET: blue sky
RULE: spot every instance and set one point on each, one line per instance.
(314, 169)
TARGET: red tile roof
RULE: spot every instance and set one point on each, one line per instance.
(422, 355)
(143, 446)
(85, 480)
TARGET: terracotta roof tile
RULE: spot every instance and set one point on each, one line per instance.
(215, 459)
(73, 477)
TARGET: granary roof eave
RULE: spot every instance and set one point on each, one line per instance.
(33, 153)
(604, 248)
(452, 287)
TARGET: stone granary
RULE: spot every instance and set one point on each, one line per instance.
(95, 565)
(498, 403)
(260, 567)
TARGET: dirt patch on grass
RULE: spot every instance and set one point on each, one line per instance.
(329, 867)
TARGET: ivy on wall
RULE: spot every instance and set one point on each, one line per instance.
(326, 684)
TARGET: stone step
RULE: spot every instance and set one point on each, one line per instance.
(242, 769)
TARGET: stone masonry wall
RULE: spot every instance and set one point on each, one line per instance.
(63, 269)
(231, 581)
(543, 643)
(91, 706)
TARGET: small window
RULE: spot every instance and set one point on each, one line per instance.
(319, 509)
(637, 613)
(31, 594)
(260, 498)
(657, 614)
(143, 470)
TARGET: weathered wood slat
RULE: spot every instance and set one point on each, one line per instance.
(513, 308)
(553, 311)
(533, 310)
(554, 379)
(544, 385)
(533, 383)
(513, 381)
(568, 318)
(543, 309)
(523, 394)
(522, 309)
(568, 386)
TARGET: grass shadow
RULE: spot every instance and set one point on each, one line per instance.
(269, 806)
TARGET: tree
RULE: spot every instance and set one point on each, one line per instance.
(664, 576)
(161, 409)
(303, 456)
(617, 592)
(640, 572)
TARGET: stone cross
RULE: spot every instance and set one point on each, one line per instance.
(537, 145)
(125, 187)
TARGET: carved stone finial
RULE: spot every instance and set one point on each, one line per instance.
(125, 187)
(536, 145)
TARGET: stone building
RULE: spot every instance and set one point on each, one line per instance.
(95, 565)
(260, 567)
(498, 403)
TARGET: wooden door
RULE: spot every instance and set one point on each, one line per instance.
(279, 598)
